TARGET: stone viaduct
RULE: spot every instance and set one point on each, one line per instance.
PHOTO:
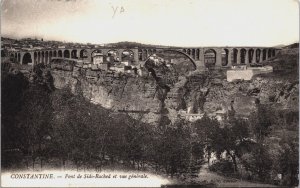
(200, 56)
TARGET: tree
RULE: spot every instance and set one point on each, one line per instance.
(261, 122)
(232, 138)
(288, 160)
(174, 148)
(33, 122)
(12, 88)
(206, 129)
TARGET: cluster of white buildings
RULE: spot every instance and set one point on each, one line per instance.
(113, 63)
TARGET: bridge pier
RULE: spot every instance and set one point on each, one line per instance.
(261, 55)
(218, 57)
(254, 56)
(246, 57)
(135, 56)
(238, 58)
(228, 56)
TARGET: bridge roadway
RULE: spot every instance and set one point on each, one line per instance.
(200, 56)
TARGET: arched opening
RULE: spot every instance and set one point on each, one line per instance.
(74, 54)
(66, 54)
(98, 54)
(250, 55)
(19, 57)
(39, 57)
(128, 57)
(264, 54)
(258, 52)
(46, 57)
(224, 57)
(112, 56)
(197, 54)
(27, 58)
(243, 56)
(234, 56)
(193, 53)
(83, 53)
(184, 50)
(43, 57)
(59, 53)
(210, 58)
(12, 58)
(269, 53)
(273, 52)
(140, 55)
(50, 56)
(188, 52)
(54, 54)
(35, 56)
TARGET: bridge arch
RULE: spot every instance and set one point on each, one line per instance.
(224, 57)
(74, 54)
(19, 58)
(250, 55)
(93, 53)
(46, 56)
(145, 54)
(264, 54)
(43, 57)
(113, 55)
(193, 53)
(35, 57)
(234, 58)
(210, 57)
(39, 57)
(66, 54)
(269, 53)
(60, 53)
(273, 52)
(54, 53)
(50, 56)
(12, 57)
(197, 54)
(181, 52)
(83, 53)
(27, 58)
(243, 53)
(140, 55)
(188, 52)
(128, 55)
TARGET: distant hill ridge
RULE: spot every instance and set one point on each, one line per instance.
(125, 44)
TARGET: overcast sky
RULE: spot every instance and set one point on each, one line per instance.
(166, 22)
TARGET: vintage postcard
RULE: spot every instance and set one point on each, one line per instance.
(149, 93)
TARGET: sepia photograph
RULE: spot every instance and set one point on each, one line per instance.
(149, 93)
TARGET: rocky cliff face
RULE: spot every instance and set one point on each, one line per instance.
(121, 93)
(163, 93)
(143, 98)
